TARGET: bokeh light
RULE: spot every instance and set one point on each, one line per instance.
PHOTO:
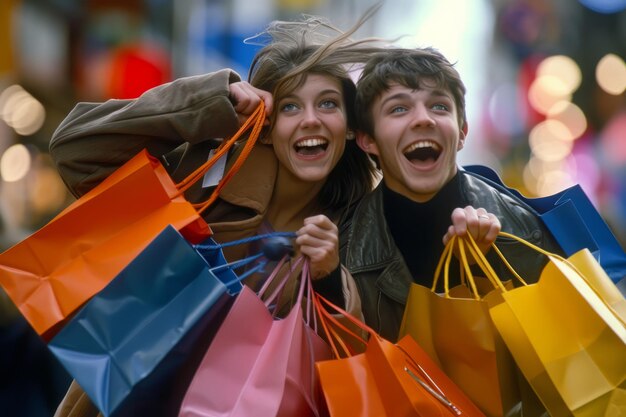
(47, 192)
(547, 90)
(611, 74)
(571, 116)
(21, 111)
(543, 178)
(15, 163)
(557, 78)
(550, 141)
(613, 141)
(564, 68)
(505, 112)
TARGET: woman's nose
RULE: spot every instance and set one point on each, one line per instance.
(310, 117)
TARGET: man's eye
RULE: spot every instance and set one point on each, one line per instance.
(440, 107)
(397, 109)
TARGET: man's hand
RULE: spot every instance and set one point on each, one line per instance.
(482, 226)
(246, 99)
(319, 240)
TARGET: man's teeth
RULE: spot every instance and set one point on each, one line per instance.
(422, 144)
(309, 143)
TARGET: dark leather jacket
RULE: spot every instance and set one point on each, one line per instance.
(383, 278)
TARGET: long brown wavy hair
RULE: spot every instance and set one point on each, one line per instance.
(293, 50)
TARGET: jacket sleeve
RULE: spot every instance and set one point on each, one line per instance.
(97, 138)
(352, 307)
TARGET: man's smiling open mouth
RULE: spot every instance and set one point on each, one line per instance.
(423, 151)
(310, 147)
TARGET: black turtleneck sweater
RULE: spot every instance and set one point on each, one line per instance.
(418, 228)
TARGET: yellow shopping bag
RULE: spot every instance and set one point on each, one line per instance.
(456, 331)
(567, 334)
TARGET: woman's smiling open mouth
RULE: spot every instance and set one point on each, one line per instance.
(311, 146)
(423, 151)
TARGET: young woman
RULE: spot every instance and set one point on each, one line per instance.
(305, 175)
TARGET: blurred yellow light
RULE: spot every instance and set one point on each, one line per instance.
(48, 192)
(9, 98)
(564, 68)
(15, 163)
(552, 182)
(530, 179)
(550, 140)
(569, 115)
(546, 178)
(28, 117)
(545, 91)
(21, 111)
(611, 74)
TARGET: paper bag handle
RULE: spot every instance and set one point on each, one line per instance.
(255, 122)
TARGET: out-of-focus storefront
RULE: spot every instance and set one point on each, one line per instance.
(546, 81)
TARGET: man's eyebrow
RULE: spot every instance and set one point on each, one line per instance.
(442, 93)
(400, 95)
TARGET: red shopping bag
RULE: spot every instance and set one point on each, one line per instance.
(260, 365)
(58, 268)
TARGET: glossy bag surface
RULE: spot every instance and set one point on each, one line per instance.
(386, 379)
(259, 364)
(574, 222)
(145, 330)
(456, 330)
(58, 268)
(568, 337)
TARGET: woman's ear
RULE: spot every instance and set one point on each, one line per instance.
(266, 138)
(366, 143)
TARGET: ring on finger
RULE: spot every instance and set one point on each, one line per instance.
(483, 216)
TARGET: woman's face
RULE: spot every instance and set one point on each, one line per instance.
(309, 132)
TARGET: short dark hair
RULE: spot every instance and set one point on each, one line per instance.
(408, 67)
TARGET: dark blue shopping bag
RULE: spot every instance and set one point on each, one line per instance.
(573, 221)
(135, 345)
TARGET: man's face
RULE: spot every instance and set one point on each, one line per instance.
(416, 139)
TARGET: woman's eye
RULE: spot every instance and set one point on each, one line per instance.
(328, 104)
(289, 107)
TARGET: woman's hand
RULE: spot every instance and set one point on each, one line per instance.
(319, 240)
(482, 226)
(246, 99)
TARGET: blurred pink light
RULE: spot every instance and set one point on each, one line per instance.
(613, 139)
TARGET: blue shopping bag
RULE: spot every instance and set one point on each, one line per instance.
(573, 221)
(135, 345)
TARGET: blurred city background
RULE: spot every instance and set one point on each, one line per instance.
(545, 79)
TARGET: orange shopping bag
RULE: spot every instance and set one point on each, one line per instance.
(54, 271)
(386, 379)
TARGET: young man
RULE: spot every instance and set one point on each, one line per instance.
(411, 115)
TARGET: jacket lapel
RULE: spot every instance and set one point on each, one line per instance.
(371, 248)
